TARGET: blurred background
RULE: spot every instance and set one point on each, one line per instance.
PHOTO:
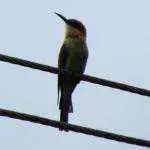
(119, 50)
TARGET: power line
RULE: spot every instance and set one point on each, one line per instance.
(87, 78)
(75, 128)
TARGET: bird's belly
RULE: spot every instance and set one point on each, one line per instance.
(75, 62)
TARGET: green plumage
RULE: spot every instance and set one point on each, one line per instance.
(73, 57)
(77, 55)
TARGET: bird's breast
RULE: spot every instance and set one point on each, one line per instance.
(77, 52)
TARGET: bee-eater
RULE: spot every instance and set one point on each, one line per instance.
(72, 58)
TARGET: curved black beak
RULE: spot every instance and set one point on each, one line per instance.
(62, 17)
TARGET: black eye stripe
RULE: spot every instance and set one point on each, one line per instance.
(78, 25)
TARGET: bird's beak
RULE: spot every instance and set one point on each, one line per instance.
(62, 17)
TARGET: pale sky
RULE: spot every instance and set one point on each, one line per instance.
(119, 48)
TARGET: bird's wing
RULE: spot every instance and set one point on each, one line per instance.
(84, 58)
(61, 65)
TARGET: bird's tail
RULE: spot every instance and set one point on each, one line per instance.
(65, 107)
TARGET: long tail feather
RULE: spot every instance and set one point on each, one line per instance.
(66, 107)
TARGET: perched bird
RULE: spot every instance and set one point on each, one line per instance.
(73, 58)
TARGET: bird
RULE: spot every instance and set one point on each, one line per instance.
(72, 58)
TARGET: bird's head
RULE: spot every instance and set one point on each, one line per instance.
(74, 28)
